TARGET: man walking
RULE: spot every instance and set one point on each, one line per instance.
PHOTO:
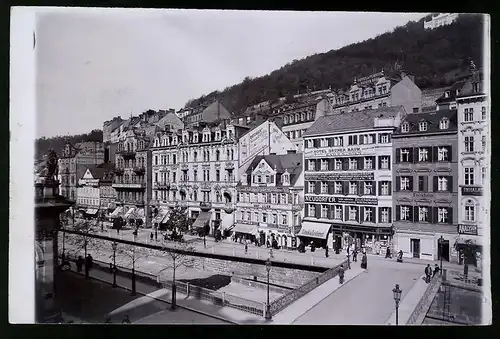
(355, 255)
(428, 273)
(326, 251)
(88, 265)
(341, 274)
(436, 270)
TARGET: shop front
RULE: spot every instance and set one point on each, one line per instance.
(373, 240)
(280, 235)
(91, 212)
(426, 245)
(469, 250)
(315, 233)
(202, 221)
(245, 231)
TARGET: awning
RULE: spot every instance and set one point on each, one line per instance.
(314, 230)
(461, 241)
(244, 228)
(91, 210)
(138, 213)
(111, 205)
(116, 212)
(129, 212)
(165, 218)
(202, 220)
(160, 216)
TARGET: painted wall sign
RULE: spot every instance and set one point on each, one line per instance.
(312, 233)
(467, 229)
(341, 176)
(338, 151)
(423, 195)
(341, 200)
(475, 190)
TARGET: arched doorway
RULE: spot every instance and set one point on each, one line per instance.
(227, 197)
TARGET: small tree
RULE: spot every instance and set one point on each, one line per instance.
(132, 255)
(178, 221)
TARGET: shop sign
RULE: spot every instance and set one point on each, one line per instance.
(341, 200)
(475, 190)
(423, 195)
(467, 229)
(342, 176)
(247, 222)
(312, 233)
(338, 151)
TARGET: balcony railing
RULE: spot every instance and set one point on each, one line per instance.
(117, 184)
(127, 154)
(229, 165)
(204, 205)
(139, 170)
(119, 171)
(162, 185)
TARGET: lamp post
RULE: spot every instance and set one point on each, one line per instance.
(397, 298)
(114, 245)
(133, 266)
(441, 240)
(268, 309)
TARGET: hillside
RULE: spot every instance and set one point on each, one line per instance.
(436, 58)
(42, 145)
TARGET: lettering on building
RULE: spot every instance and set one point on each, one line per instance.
(338, 151)
(313, 233)
(467, 229)
(341, 200)
(474, 190)
(341, 176)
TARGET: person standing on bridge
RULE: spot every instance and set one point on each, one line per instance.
(364, 261)
(341, 274)
(326, 251)
(246, 247)
(355, 255)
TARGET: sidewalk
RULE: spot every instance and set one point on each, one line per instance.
(311, 299)
(409, 303)
(206, 308)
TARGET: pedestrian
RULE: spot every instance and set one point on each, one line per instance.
(436, 270)
(79, 264)
(428, 273)
(126, 320)
(364, 261)
(246, 247)
(151, 236)
(341, 274)
(326, 251)
(271, 252)
(400, 256)
(355, 255)
(388, 253)
(268, 244)
(88, 265)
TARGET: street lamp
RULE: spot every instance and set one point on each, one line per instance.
(268, 309)
(397, 298)
(133, 266)
(114, 245)
(441, 240)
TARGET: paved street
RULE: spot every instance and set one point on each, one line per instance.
(367, 299)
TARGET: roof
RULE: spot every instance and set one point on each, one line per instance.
(432, 118)
(291, 162)
(101, 171)
(216, 109)
(457, 86)
(114, 124)
(351, 121)
(467, 88)
(429, 96)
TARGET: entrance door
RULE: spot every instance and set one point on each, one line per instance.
(262, 238)
(445, 250)
(415, 247)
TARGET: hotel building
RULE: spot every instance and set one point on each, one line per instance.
(348, 179)
(425, 190)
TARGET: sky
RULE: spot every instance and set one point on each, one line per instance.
(95, 64)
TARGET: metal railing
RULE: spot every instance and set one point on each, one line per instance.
(418, 314)
(285, 300)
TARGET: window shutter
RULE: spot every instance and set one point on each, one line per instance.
(398, 183)
(398, 212)
(374, 188)
(317, 164)
(378, 189)
(414, 155)
(361, 214)
(318, 211)
(316, 143)
(361, 187)
(346, 213)
(331, 187)
(306, 212)
(361, 141)
(450, 183)
(426, 183)
(411, 214)
(430, 216)
(379, 163)
(434, 154)
(450, 154)
(317, 187)
(345, 163)
(379, 217)
(411, 182)
(398, 154)
(389, 162)
(331, 164)
(345, 187)
(450, 215)
(435, 183)
(355, 137)
(330, 142)
(361, 163)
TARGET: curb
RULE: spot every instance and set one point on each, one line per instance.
(180, 306)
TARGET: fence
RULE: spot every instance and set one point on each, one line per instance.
(285, 300)
(418, 314)
(217, 297)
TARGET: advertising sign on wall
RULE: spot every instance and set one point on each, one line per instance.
(467, 229)
(341, 176)
(341, 200)
(328, 152)
(254, 142)
(472, 190)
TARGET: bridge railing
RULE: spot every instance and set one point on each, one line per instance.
(418, 314)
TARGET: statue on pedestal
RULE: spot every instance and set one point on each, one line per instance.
(51, 169)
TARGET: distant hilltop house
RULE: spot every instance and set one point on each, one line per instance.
(441, 19)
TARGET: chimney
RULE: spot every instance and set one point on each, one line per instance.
(291, 151)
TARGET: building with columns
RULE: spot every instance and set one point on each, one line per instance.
(474, 164)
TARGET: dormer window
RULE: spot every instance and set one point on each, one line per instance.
(217, 136)
(174, 140)
(286, 178)
(475, 87)
(447, 94)
(195, 137)
(444, 123)
(405, 127)
(422, 126)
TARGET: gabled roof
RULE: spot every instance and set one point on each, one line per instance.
(429, 96)
(216, 109)
(102, 171)
(352, 121)
(452, 92)
(433, 119)
(467, 88)
(291, 162)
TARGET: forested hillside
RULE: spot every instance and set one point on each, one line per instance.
(436, 58)
(43, 144)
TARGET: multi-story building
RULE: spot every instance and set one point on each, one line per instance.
(474, 163)
(89, 197)
(448, 100)
(270, 199)
(377, 91)
(108, 126)
(425, 193)
(132, 180)
(440, 19)
(211, 114)
(348, 179)
(298, 117)
(107, 193)
(197, 169)
(73, 164)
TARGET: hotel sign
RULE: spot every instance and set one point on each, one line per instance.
(474, 190)
(341, 200)
(328, 152)
(467, 229)
(342, 176)
(312, 233)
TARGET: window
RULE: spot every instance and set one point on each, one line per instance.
(338, 141)
(483, 175)
(368, 214)
(405, 183)
(353, 163)
(442, 183)
(338, 164)
(444, 123)
(324, 164)
(312, 210)
(469, 211)
(469, 144)
(156, 160)
(368, 188)
(284, 220)
(310, 187)
(352, 212)
(368, 163)
(217, 155)
(275, 219)
(384, 162)
(264, 217)
(405, 128)
(384, 214)
(422, 126)
(311, 165)
(309, 144)
(442, 154)
(483, 143)
(384, 188)
(338, 187)
(256, 216)
(217, 175)
(405, 155)
(469, 175)
(468, 114)
(415, 109)
(423, 214)
(385, 138)
(483, 113)
(323, 142)
(353, 140)
(324, 211)
(367, 138)
(423, 155)
(283, 199)
(442, 215)
(195, 175)
(353, 187)
(324, 187)
(259, 179)
(338, 212)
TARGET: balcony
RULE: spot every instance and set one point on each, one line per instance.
(162, 185)
(205, 206)
(119, 171)
(127, 154)
(139, 170)
(229, 207)
(229, 165)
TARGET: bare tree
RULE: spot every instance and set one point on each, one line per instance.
(131, 254)
(88, 229)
